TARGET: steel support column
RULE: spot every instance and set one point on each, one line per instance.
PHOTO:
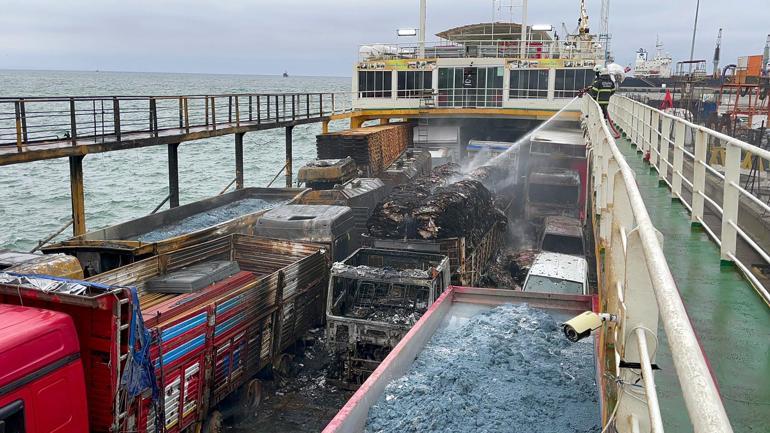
(173, 174)
(289, 130)
(239, 160)
(77, 195)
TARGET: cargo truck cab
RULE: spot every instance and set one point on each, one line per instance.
(42, 385)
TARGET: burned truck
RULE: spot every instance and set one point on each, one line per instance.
(557, 170)
(374, 298)
(552, 191)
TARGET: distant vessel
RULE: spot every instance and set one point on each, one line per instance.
(658, 67)
(285, 74)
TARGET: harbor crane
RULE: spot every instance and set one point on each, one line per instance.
(604, 34)
(605, 30)
(717, 50)
(583, 27)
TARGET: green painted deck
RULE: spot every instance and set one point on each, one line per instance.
(731, 320)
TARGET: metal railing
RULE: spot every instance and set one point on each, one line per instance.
(640, 290)
(571, 51)
(704, 160)
(468, 96)
(25, 121)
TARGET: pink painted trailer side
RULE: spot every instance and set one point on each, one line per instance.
(456, 301)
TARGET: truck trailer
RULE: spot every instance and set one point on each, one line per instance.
(111, 247)
(151, 361)
(456, 306)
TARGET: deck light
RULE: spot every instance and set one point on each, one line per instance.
(542, 27)
(406, 32)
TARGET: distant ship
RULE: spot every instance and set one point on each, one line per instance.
(658, 67)
(285, 74)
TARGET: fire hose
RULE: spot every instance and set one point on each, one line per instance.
(611, 124)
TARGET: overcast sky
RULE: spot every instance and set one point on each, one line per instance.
(320, 37)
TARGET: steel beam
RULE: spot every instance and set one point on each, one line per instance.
(289, 130)
(239, 160)
(173, 174)
(77, 195)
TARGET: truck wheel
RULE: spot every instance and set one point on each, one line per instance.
(214, 423)
(251, 395)
(283, 365)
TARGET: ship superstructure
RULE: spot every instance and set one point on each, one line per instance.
(501, 65)
(657, 67)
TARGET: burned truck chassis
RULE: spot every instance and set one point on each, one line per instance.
(371, 308)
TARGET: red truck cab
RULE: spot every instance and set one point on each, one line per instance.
(42, 387)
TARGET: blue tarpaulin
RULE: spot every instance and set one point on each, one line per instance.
(139, 374)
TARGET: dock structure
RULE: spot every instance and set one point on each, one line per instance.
(40, 128)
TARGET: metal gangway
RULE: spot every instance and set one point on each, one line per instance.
(35, 128)
(662, 273)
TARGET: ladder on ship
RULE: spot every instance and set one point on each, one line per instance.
(427, 102)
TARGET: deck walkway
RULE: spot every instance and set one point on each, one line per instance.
(731, 320)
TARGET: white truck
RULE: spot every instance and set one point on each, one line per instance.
(558, 273)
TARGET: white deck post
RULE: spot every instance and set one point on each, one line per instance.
(645, 145)
(655, 139)
(676, 176)
(730, 201)
(637, 124)
(699, 176)
(665, 136)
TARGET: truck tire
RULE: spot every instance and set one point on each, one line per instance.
(283, 365)
(214, 423)
(251, 395)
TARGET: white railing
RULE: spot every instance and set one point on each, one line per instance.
(704, 160)
(569, 50)
(640, 290)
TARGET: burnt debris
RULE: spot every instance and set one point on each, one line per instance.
(437, 206)
(508, 269)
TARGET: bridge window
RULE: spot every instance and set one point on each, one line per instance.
(374, 84)
(529, 84)
(570, 81)
(470, 87)
(413, 84)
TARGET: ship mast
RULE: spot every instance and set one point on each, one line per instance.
(694, 32)
(523, 29)
(423, 7)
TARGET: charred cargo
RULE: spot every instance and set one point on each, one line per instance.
(441, 213)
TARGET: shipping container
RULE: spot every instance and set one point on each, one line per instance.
(359, 194)
(333, 226)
